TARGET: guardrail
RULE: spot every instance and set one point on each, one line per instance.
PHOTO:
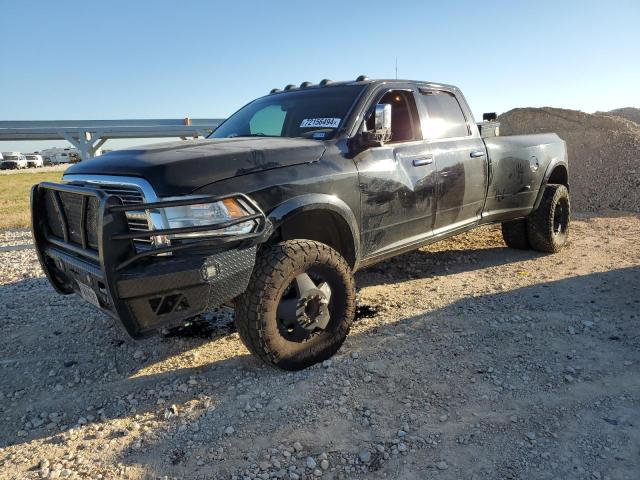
(89, 135)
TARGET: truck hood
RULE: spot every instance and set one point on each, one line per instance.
(176, 168)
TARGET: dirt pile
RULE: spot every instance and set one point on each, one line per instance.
(604, 154)
(630, 113)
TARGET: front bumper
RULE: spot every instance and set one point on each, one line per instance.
(144, 290)
(9, 165)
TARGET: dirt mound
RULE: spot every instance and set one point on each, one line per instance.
(604, 154)
(630, 113)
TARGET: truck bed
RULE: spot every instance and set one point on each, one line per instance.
(517, 166)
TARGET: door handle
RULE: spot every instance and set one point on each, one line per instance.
(419, 162)
(476, 154)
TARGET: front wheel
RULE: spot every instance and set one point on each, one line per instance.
(299, 305)
(548, 225)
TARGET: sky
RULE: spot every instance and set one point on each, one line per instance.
(205, 59)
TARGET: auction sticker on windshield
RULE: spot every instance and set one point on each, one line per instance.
(320, 123)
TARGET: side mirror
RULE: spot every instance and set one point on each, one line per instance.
(381, 132)
(383, 117)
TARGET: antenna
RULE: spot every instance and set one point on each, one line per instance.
(396, 68)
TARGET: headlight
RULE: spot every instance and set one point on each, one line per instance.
(200, 214)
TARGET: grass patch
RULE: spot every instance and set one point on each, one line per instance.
(14, 197)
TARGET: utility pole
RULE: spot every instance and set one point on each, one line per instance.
(396, 68)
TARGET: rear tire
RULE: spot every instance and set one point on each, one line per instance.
(514, 234)
(548, 225)
(318, 325)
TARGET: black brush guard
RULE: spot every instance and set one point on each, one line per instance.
(84, 245)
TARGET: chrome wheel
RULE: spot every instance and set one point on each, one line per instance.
(304, 308)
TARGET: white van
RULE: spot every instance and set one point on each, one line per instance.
(34, 160)
(13, 160)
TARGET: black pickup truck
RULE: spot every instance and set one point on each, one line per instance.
(289, 196)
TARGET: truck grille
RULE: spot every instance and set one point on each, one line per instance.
(128, 195)
(72, 206)
(138, 222)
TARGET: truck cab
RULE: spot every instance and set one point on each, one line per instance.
(434, 162)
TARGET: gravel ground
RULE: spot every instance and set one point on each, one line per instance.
(468, 361)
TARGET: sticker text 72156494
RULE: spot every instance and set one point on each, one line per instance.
(320, 123)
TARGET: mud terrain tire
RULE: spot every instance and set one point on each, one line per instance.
(257, 310)
(548, 225)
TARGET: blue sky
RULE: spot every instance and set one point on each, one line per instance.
(205, 59)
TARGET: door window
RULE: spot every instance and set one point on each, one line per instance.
(444, 116)
(404, 116)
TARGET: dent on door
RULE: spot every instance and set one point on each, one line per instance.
(397, 185)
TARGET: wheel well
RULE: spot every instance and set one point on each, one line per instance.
(322, 226)
(559, 175)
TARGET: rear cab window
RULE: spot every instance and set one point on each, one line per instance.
(443, 116)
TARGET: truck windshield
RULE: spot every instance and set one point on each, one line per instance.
(314, 113)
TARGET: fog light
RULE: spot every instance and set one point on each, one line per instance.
(209, 271)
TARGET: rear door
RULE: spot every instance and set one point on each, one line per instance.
(460, 158)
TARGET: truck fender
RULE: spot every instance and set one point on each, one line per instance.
(316, 201)
(557, 162)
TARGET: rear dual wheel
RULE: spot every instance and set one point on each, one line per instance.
(547, 228)
(548, 225)
(514, 234)
(299, 305)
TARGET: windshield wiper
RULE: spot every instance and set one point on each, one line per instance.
(252, 135)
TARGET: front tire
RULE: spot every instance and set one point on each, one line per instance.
(548, 225)
(299, 305)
